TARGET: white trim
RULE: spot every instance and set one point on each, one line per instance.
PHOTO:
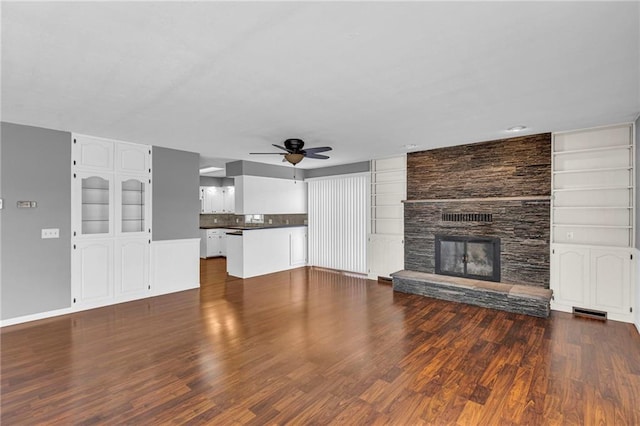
(587, 129)
(342, 176)
(35, 317)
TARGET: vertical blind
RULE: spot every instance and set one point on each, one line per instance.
(338, 222)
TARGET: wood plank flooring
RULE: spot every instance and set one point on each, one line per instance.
(315, 347)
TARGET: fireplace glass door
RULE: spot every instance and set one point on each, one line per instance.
(472, 257)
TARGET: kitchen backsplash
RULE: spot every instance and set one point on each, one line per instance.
(239, 220)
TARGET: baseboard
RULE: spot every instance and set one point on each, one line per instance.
(36, 317)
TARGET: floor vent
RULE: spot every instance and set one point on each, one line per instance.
(589, 313)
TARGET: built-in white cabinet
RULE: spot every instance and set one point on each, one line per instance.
(92, 273)
(386, 239)
(111, 221)
(593, 278)
(214, 199)
(131, 268)
(593, 220)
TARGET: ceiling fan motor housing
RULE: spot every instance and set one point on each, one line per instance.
(294, 145)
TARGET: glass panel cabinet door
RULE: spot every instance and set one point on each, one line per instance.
(96, 201)
(134, 194)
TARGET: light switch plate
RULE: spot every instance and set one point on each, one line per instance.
(50, 233)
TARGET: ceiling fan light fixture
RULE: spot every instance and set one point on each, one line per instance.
(294, 158)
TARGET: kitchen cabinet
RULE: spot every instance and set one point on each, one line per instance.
(214, 199)
(213, 242)
(111, 221)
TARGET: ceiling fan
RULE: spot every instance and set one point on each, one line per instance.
(294, 152)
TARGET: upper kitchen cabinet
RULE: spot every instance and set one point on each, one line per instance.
(263, 195)
(215, 199)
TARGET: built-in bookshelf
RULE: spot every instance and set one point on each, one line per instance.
(593, 187)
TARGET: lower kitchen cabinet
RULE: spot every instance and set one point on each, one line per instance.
(298, 247)
(213, 242)
(594, 279)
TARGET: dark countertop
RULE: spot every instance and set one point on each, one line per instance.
(249, 228)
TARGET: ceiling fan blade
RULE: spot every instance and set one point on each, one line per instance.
(280, 147)
(267, 153)
(316, 156)
(317, 150)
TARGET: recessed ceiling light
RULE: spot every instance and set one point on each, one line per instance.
(210, 169)
(410, 146)
(516, 128)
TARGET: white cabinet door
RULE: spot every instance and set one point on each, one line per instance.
(202, 199)
(298, 247)
(203, 243)
(570, 276)
(386, 255)
(132, 207)
(592, 278)
(92, 153)
(92, 273)
(132, 158)
(223, 242)
(92, 209)
(229, 201)
(213, 243)
(610, 280)
(132, 268)
(216, 199)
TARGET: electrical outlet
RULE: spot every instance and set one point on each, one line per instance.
(50, 233)
(215, 220)
(270, 221)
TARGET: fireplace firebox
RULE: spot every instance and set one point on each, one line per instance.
(469, 257)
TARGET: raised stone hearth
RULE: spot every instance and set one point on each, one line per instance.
(521, 299)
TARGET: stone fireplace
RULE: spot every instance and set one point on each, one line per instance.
(481, 204)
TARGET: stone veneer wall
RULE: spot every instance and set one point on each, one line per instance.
(510, 178)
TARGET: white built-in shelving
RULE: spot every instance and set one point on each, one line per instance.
(593, 220)
(386, 239)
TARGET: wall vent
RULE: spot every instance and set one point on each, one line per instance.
(589, 313)
(467, 217)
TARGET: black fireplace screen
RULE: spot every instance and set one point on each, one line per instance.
(472, 257)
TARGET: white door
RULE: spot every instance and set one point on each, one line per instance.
(223, 242)
(92, 153)
(610, 280)
(131, 268)
(92, 277)
(570, 278)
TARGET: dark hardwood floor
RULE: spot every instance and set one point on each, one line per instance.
(315, 347)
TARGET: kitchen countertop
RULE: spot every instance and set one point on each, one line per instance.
(249, 228)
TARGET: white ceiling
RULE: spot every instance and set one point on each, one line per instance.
(228, 78)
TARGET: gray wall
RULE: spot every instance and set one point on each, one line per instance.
(343, 169)
(176, 201)
(210, 181)
(36, 273)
